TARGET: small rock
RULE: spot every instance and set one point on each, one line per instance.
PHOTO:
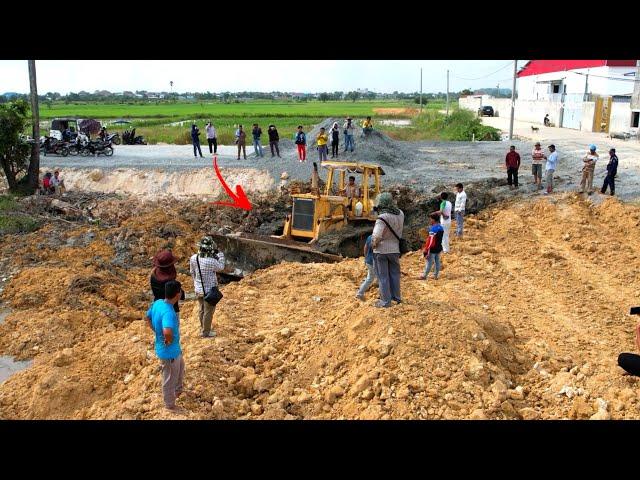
(516, 394)
(479, 336)
(128, 378)
(285, 332)
(135, 339)
(529, 413)
(316, 298)
(477, 414)
(332, 395)
(256, 409)
(217, 407)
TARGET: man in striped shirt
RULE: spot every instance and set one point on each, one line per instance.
(203, 267)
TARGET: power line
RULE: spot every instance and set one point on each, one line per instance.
(608, 78)
(485, 76)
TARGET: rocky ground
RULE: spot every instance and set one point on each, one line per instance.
(526, 321)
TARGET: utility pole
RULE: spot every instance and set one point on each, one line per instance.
(420, 89)
(513, 98)
(586, 88)
(34, 164)
(447, 93)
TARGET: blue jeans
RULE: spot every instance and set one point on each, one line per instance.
(371, 276)
(388, 271)
(349, 142)
(433, 257)
(459, 223)
(257, 148)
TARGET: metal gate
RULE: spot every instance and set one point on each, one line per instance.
(572, 112)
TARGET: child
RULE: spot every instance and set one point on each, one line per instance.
(433, 247)
(301, 142)
(322, 140)
(371, 274)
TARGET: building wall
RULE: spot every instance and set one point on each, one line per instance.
(529, 89)
(525, 110)
(588, 111)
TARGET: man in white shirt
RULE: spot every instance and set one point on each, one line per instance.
(461, 202)
(212, 138)
(550, 167)
(445, 220)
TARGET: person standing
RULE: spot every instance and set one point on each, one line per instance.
(274, 138)
(386, 249)
(164, 271)
(433, 247)
(612, 170)
(241, 141)
(537, 156)
(322, 139)
(512, 161)
(550, 168)
(212, 138)
(371, 272)
(335, 139)
(203, 267)
(588, 168)
(164, 322)
(461, 203)
(301, 142)
(350, 129)
(367, 127)
(257, 147)
(546, 120)
(195, 139)
(445, 219)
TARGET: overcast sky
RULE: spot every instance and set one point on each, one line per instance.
(385, 76)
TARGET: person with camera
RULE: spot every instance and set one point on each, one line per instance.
(385, 241)
(203, 267)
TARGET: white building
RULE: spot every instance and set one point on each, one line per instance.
(549, 79)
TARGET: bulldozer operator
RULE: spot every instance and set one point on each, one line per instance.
(351, 190)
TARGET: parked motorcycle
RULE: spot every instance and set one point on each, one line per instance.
(96, 147)
(114, 138)
(55, 146)
(129, 138)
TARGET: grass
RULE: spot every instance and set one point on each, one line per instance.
(461, 125)
(218, 109)
(152, 121)
(12, 221)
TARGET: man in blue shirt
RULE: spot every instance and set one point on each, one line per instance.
(162, 319)
(612, 170)
(550, 168)
(371, 274)
(433, 247)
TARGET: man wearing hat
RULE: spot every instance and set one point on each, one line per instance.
(164, 271)
(589, 166)
(203, 267)
(537, 156)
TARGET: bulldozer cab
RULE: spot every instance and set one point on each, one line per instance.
(317, 213)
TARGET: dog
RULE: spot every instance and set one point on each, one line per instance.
(534, 129)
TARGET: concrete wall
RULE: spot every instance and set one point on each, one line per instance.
(620, 117)
(525, 110)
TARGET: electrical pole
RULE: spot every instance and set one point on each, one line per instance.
(586, 88)
(34, 164)
(420, 89)
(447, 93)
(513, 98)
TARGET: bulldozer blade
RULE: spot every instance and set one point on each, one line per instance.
(245, 253)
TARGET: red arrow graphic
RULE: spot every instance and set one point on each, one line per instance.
(239, 198)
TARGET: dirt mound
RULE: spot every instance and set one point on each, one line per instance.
(526, 321)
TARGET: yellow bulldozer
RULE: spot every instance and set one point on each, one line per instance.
(314, 214)
(323, 226)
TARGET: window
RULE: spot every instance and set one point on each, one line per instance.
(556, 88)
(635, 119)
